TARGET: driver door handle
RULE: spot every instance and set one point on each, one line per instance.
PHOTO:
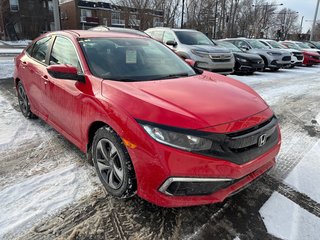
(45, 78)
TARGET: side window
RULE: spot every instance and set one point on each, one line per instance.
(243, 44)
(168, 36)
(63, 52)
(157, 35)
(265, 44)
(40, 49)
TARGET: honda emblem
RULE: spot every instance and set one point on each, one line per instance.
(262, 140)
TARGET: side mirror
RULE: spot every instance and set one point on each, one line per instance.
(190, 62)
(244, 48)
(172, 43)
(65, 72)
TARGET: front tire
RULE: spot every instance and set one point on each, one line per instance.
(23, 100)
(113, 164)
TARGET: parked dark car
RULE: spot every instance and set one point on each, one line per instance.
(244, 62)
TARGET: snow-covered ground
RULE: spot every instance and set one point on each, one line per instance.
(6, 68)
(47, 175)
(10, 51)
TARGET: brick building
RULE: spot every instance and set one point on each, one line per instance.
(25, 19)
(78, 14)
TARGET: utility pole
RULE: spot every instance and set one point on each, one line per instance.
(215, 20)
(56, 15)
(314, 21)
(301, 25)
(182, 13)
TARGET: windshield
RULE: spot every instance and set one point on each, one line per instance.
(228, 45)
(293, 46)
(302, 45)
(132, 59)
(317, 44)
(256, 44)
(275, 44)
(193, 38)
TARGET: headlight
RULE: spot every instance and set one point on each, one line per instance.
(274, 54)
(200, 53)
(242, 59)
(176, 139)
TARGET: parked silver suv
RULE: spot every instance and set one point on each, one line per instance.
(274, 59)
(195, 45)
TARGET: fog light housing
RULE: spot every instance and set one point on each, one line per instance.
(194, 186)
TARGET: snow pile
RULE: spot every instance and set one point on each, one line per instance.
(17, 43)
(11, 135)
(6, 68)
(286, 220)
(28, 202)
(10, 51)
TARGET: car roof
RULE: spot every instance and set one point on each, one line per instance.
(173, 29)
(92, 34)
(118, 29)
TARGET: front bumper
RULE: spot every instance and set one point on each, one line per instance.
(309, 60)
(279, 62)
(223, 66)
(155, 164)
(249, 67)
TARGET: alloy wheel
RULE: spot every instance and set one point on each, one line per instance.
(109, 163)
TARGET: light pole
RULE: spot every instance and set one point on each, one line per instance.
(314, 21)
(56, 15)
(265, 16)
(301, 25)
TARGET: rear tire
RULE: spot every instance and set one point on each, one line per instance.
(23, 100)
(113, 164)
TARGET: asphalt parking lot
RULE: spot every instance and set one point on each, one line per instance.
(37, 165)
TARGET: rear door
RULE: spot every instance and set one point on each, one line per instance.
(64, 97)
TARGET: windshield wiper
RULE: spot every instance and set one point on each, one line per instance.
(177, 75)
(121, 79)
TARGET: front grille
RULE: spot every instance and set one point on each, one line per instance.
(314, 57)
(241, 147)
(299, 57)
(257, 61)
(220, 57)
(221, 60)
(286, 58)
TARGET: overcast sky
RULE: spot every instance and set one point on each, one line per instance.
(305, 8)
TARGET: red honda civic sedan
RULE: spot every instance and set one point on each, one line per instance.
(151, 123)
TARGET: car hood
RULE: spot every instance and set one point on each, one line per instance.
(292, 50)
(311, 50)
(193, 102)
(265, 51)
(249, 56)
(210, 49)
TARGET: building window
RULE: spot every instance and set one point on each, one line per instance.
(14, 5)
(86, 13)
